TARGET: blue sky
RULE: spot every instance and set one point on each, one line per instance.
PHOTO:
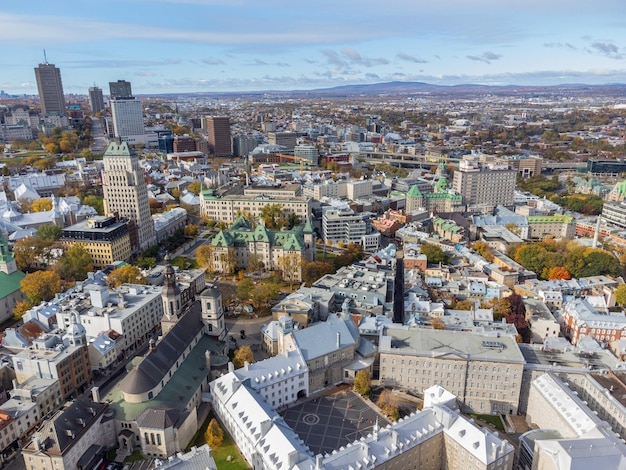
(231, 45)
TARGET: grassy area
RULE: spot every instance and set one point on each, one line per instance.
(329, 256)
(111, 454)
(221, 453)
(135, 457)
(183, 262)
(492, 419)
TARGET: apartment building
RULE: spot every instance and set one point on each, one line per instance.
(63, 357)
(229, 207)
(560, 227)
(582, 319)
(484, 183)
(483, 371)
(106, 239)
(344, 226)
(131, 310)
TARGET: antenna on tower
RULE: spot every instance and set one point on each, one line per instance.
(45, 59)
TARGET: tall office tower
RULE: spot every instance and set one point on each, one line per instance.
(218, 136)
(126, 194)
(50, 89)
(96, 100)
(484, 182)
(127, 117)
(120, 89)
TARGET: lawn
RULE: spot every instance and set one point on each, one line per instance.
(492, 419)
(136, 456)
(221, 453)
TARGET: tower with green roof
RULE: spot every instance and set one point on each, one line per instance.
(10, 278)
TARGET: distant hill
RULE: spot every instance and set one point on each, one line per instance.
(421, 88)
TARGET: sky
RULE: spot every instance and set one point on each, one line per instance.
(169, 46)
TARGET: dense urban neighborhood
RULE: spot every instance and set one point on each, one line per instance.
(389, 277)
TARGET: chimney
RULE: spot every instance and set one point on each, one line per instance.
(95, 394)
(231, 367)
(14, 382)
(318, 462)
(338, 340)
(152, 344)
(207, 359)
(246, 364)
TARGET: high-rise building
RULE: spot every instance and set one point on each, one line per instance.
(218, 136)
(126, 194)
(96, 100)
(127, 117)
(50, 89)
(120, 89)
(484, 182)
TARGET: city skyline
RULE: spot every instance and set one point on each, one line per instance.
(219, 45)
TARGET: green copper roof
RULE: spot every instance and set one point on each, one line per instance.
(308, 226)
(10, 283)
(414, 192)
(442, 185)
(5, 255)
(118, 150)
(621, 187)
(242, 233)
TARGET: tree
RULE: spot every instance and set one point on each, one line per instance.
(41, 205)
(244, 288)
(483, 250)
(242, 355)
(434, 254)
(75, 263)
(313, 270)
(438, 324)
(362, 384)
(559, 272)
(290, 266)
(21, 308)
(96, 202)
(126, 274)
(254, 263)
(146, 262)
(388, 404)
(205, 257)
(273, 216)
(191, 231)
(501, 308)
(49, 232)
(194, 187)
(263, 294)
(214, 435)
(41, 286)
(466, 304)
(620, 295)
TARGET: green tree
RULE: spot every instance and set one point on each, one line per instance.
(32, 251)
(263, 294)
(273, 216)
(434, 254)
(214, 435)
(96, 202)
(362, 384)
(126, 274)
(41, 286)
(620, 295)
(146, 262)
(242, 355)
(501, 308)
(191, 231)
(49, 232)
(75, 263)
(244, 288)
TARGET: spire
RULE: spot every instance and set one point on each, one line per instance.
(308, 226)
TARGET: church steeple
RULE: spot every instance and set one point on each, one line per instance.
(170, 294)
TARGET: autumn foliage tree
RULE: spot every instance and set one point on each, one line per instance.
(362, 384)
(41, 286)
(620, 295)
(388, 404)
(75, 263)
(126, 274)
(41, 205)
(214, 435)
(242, 355)
(559, 273)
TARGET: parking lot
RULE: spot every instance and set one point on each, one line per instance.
(331, 421)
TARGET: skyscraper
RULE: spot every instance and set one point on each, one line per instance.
(96, 100)
(120, 89)
(127, 117)
(218, 136)
(50, 89)
(126, 194)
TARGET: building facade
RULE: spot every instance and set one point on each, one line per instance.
(126, 194)
(96, 99)
(127, 115)
(106, 239)
(50, 87)
(218, 135)
(484, 183)
(484, 372)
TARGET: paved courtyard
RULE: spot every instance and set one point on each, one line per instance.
(328, 422)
